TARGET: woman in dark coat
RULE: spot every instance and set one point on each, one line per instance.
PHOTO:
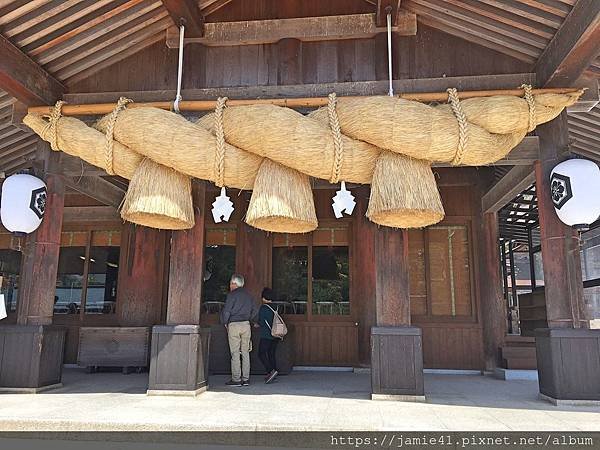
(268, 344)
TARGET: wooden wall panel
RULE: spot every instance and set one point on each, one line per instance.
(429, 54)
(452, 346)
(327, 343)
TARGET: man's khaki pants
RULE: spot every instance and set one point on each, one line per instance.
(240, 344)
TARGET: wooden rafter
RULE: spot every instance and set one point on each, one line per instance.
(210, 6)
(186, 12)
(573, 48)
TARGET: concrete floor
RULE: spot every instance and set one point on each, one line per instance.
(300, 401)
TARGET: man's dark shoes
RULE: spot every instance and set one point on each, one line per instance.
(271, 376)
(245, 382)
(234, 383)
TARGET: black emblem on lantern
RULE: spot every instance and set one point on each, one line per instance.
(38, 201)
(560, 188)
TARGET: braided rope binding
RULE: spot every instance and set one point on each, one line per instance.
(55, 114)
(338, 143)
(531, 104)
(463, 125)
(220, 142)
(110, 128)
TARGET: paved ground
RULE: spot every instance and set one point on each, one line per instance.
(300, 401)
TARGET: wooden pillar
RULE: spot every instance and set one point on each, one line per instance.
(142, 276)
(396, 347)
(186, 269)
(363, 275)
(179, 352)
(568, 356)
(493, 306)
(392, 293)
(32, 351)
(40, 260)
(560, 244)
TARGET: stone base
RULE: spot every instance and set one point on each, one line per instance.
(568, 362)
(399, 398)
(179, 360)
(558, 402)
(9, 390)
(397, 362)
(176, 393)
(514, 374)
(31, 357)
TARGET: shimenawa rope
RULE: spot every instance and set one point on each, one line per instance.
(531, 104)
(52, 125)
(463, 125)
(220, 143)
(338, 143)
(110, 127)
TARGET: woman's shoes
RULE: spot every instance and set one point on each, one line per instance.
(271, 376)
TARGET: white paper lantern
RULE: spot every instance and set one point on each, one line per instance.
(23, 203)
(575, 190)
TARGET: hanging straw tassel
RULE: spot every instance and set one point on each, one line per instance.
(159, 197)
(282, 200)
(404, 193)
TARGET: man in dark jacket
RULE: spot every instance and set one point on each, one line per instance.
(237, 313)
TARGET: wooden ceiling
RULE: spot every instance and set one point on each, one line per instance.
(17, 147)
(584, 133)
(74, 39)
(519, 28)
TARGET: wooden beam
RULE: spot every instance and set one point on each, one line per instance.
(508, 187)
(186, 12)
(573, 48)
(524, 154)
(24, 79)
(589, 99)
(97, 188)
(326, 28)
(71, 166)
(91, 214)
(467, 83)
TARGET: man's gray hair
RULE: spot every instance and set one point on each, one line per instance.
(237, 279)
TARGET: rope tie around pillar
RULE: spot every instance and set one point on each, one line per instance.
(110, 128)
(338, 143)
(51, 127)
(463, 125)
(220, 142)
(531, 104)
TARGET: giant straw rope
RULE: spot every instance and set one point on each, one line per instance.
(344, 141)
